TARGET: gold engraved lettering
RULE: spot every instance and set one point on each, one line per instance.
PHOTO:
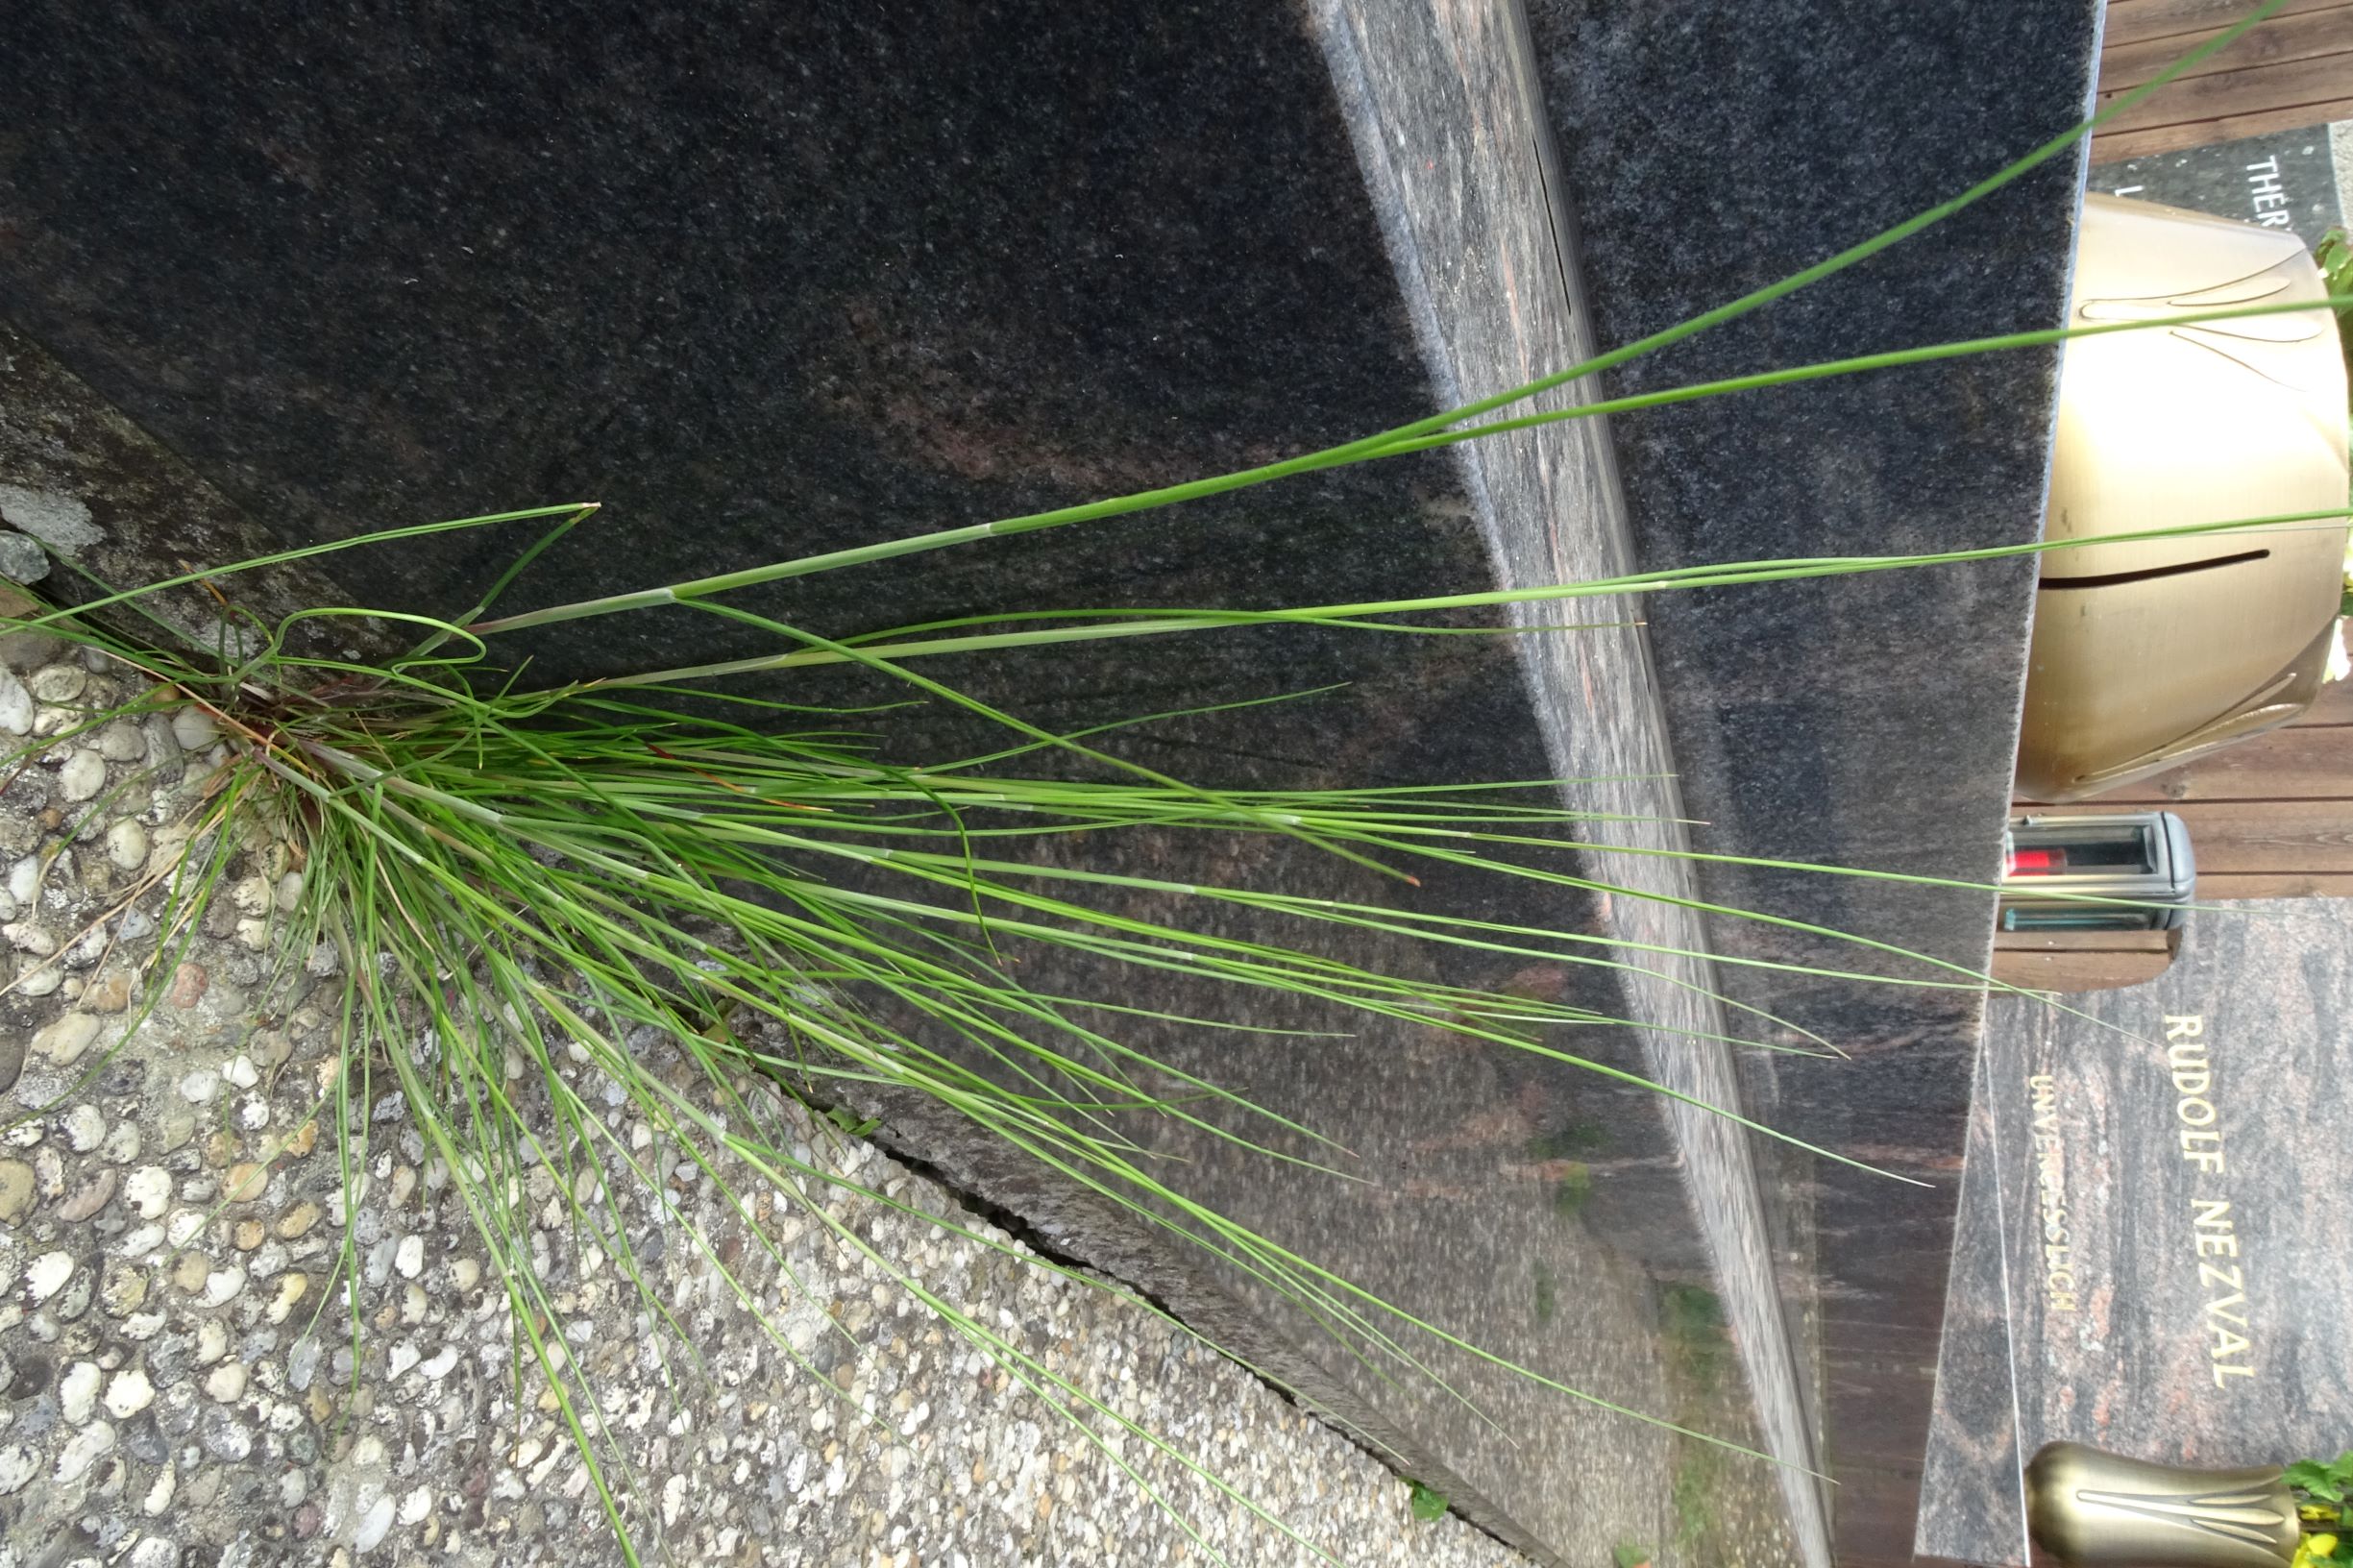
(2211, 1233)
(2050, 1184)
(2188, 1066)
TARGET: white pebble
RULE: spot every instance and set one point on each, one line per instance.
(255, 934)
(242, 1071)
(290, 1290)
(64, 1040)
(127, 846)
(78, 1392)
(212, 1343)
(57, 682)
(416, 1505)
(89, 1445)
(226, 1381)
(16, 704)
(128, 1393)
(148, 1190)
(25, 878)
(160, 1495)
(289, 893)
(374, 1526)
(199, 1086)
(194, 729)
(48, 1274)
(122, 1144)
(30, 937)
(17, 1465)
(409, 1257)
(84, 1128)
(41, 981)
(222, 1286)
(84, 775)
(122, 742)
(401, 1360)
(441, 1364)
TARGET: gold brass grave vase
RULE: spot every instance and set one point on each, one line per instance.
(2148, 653)
(2087, 1508)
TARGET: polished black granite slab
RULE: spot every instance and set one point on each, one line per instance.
(1707, 150)
(2150, 1234)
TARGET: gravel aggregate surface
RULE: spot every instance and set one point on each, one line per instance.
(181, 1255)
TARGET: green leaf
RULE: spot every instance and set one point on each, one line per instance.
(1427, 1505)
(1631, 1555)
(2305, 1473)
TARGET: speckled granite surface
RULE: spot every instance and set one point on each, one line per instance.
(1706, 150)
(2174, 1146)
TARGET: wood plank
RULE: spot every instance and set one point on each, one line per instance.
(2303, 763)
(2237, 838)
(2072, 972)
(2230, 94)
(2279, 41)
(2113, 148)
(2292, 885)
(2137, 21)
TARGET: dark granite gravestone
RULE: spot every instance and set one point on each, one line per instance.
(2286, 179)
(2150, 1253)
(770, 282)
(1707, 149)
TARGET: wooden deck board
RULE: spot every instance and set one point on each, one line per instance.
(2281, 41)
(2139, 21)
(2291, 85)
(2271, 838)
(2295, 70)
(2306, 763)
